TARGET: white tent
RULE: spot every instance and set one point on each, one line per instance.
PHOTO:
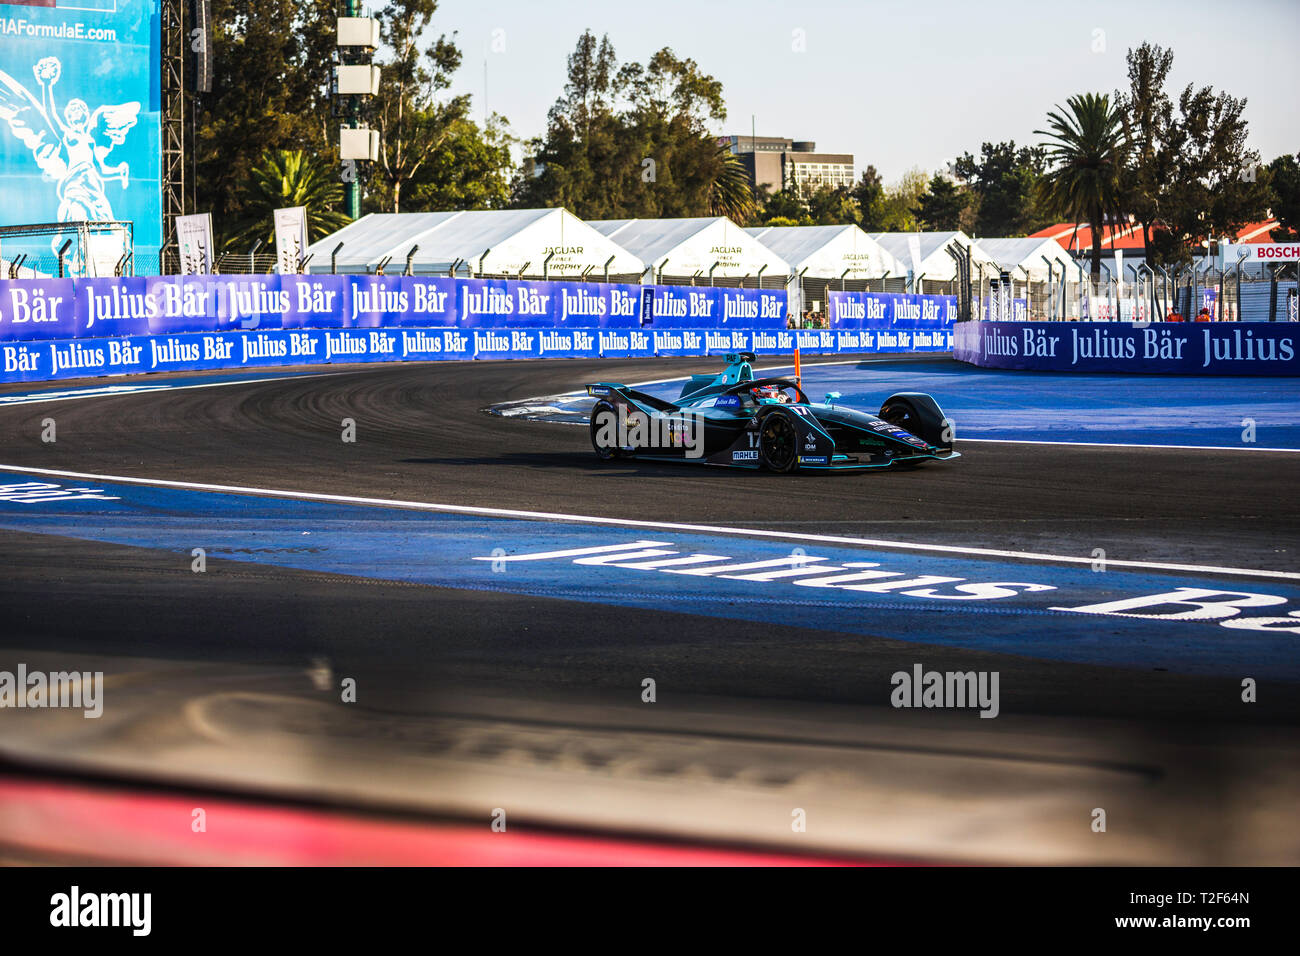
(494, 242)
(1017, 255)
(691, 247)
(933, 262)
(829, 252)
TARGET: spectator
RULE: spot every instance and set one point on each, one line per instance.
(1204, 314)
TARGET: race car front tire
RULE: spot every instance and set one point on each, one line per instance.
(778, 442)
(919, 415)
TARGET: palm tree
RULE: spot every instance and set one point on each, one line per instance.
(286, 178)
(730, 193)
(1088, 148)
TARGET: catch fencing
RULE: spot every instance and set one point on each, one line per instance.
(1220, 295)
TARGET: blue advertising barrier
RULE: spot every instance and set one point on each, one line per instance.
(700, 307)
(503, 303)
(47, 361)
(67, 328)
(892, 322)
(71, 308)
(51, 360)
(1198, 348)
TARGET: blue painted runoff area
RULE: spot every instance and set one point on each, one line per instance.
(1224, 625)
(1070, 407)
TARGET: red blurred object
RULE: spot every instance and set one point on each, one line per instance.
(52, 822)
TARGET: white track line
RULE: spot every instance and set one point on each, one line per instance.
(658, 525)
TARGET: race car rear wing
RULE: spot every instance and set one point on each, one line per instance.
(609, 390)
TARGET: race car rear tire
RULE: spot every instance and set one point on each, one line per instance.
(598, 422)
(778, 443)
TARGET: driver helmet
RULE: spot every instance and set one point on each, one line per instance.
(769, 393)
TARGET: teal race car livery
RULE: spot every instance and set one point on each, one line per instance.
(738, 420)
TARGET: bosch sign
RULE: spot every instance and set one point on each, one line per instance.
(1263, 252)
(1277, 251)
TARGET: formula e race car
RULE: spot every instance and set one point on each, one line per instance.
(738, 420)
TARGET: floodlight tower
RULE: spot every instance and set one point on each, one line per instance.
(356, 79)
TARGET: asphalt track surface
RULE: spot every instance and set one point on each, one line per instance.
(111, 587)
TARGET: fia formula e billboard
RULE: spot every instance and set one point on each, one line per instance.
(79, 114)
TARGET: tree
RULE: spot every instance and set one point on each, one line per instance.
(290, 178)
(1285, 183)
(670, 104)
(588, 95)
(633, 141)
(270, 91)
(668, 86)
(1191, 175)
(469, 170)
(833, 206)
(730, 193)
(1005, 181)
(869, 194)
(582, 144)
(1088, 149)
(786, 205)
(413, 119)
(944, 206)
(1218, 185)
(1149, 123)
(900, 202)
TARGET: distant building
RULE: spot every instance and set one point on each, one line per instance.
(774, 163)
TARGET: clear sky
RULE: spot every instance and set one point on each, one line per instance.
(898, 84)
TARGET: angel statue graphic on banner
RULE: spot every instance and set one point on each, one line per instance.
(71, 149)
